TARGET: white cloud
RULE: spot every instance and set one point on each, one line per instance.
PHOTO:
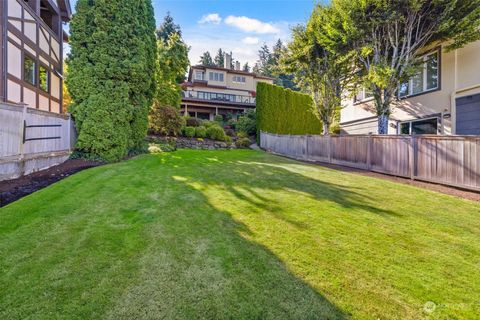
(251, 25)
(211, 18)
(250, 40)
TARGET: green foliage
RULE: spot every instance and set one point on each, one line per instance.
(232, 123)
(193, 122)
(268, 64)
(243, 142)
(284, 111)
(208, 123)
(216, 133)
(171, 67)
(386, 39)
(243, 134)
(167, 28)
(219, 119)
(200, 132)
(166, 120)
(189, 132)
(206, 59)
(111, 75)
(247, 122)
(220, 58)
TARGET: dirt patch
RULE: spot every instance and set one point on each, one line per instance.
(460, 193)
(11, 190)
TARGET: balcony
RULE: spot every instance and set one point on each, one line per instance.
(219, 97)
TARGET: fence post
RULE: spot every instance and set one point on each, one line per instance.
(329, 148)
(369, 151)
(413, 151)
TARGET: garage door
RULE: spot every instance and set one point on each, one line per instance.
(468, 115)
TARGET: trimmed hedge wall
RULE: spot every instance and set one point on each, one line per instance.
(284, 111)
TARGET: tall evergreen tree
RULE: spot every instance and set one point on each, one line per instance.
(220, 58)
(111, 90)
(167, 28)
(246, 67)
(265, 61)
(206, 59)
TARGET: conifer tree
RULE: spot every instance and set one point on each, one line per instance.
(111, 75)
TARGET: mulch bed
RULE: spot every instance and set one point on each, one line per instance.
(11, 190)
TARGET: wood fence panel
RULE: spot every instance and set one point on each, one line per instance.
(449, 160)
(350, 150)
(391, 155)
(10, 130)
(18, 123)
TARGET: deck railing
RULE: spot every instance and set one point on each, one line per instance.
(214, 96)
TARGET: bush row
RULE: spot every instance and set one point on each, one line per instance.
(284, 111)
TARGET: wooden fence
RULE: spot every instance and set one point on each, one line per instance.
(449, 160)
(29, 135)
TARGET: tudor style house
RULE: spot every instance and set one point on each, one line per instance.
(443, 98)
(31, 58)
(212, 91)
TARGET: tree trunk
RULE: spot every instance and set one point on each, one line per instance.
(382, 124)
(326, 128)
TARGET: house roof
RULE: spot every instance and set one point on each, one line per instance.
(204, 67)
(65, 9)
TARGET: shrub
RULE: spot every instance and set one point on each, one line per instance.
(208, 123)
(284, 111)
(200, 132)
(189, 132)
(216, 133)
(248, 122)
(165, 121)
(243, 134)
(218, 118)
(229, 132)
(232, 123)
(243, 143)
(193, 122)
(228, 139)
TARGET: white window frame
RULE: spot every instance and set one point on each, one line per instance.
(202, 75)
(216, 76)
(424, 71)
(362, 92)
(239, 79)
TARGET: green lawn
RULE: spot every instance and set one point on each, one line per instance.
(237, 235)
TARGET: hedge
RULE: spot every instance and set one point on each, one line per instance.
(284, 111)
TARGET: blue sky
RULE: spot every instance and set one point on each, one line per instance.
(240, 26)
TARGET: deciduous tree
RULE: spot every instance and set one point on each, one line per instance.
(388, 38)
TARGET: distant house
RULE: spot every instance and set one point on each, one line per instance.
(444, 98)
(212, 90)
(31, 56)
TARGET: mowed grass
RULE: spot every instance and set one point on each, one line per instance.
(237, 235)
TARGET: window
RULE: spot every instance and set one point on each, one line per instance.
(29, 70)
(425, 80)
(215, 76)
(44, 79)
(239, 79)
(362, 95)
(423, 126)
(199, 75)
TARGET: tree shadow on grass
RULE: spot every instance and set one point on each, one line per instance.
(214, 269)
(157, 247)
(200, 264)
